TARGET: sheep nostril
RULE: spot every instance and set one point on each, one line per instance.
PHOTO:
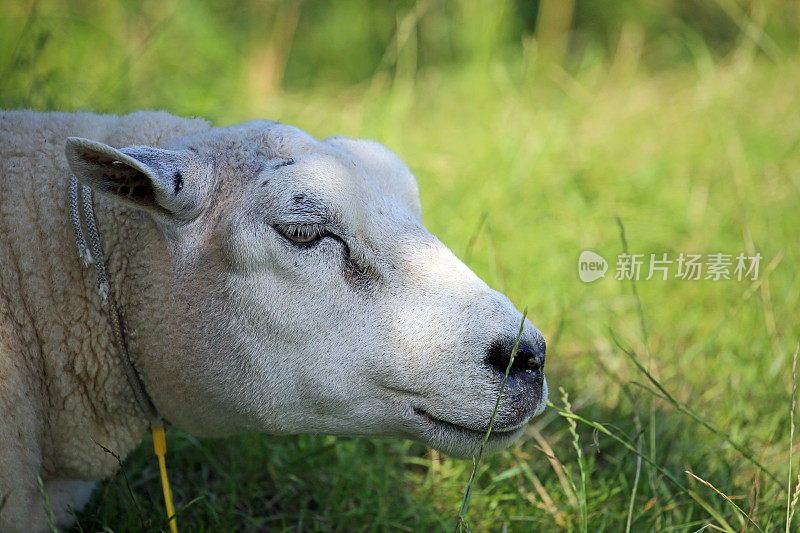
(533, 365)
(528, 359)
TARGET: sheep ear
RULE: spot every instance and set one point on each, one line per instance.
(164, 182)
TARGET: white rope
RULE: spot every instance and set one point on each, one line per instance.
(95, 245)
(76, 191)
(75, 219)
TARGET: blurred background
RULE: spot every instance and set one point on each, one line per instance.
(536, 130)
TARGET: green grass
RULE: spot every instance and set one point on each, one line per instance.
(461, 523)
(521, 167)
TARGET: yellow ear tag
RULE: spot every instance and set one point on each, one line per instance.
(160, 445)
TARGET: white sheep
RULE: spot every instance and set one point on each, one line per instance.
(266, 281)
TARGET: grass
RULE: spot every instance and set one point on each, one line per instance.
(461, 523)
(46, 504)
(522, 165)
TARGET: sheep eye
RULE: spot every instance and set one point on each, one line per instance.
(302, 234)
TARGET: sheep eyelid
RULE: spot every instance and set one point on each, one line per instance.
(303, 235)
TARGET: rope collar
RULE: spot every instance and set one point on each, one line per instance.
(92, 253)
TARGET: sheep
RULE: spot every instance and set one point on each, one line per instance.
(265, 280)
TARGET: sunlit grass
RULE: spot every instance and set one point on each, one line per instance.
(521, 167)
(551, 174)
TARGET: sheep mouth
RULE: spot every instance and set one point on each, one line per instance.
(498, 432)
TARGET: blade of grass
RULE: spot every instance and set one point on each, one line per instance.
(789, 509)
(496, 269)
(629, 519)
(573, 429)
(755, 487)
(167, 519)
(626, 444)
(725, 497)
(75, 517)
(645, 342)
(127, 483)
(474, 237)
(625, 387)
(476, 461)
(666, 396)
(713, 512)
(51, 521)
(795, 498)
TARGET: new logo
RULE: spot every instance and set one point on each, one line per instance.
(591, 266)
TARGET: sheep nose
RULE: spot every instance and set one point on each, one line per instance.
(529, 358)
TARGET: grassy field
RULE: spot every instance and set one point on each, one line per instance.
(522, 164)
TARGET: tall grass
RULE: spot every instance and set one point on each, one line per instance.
(51, 522)
(678, 119)
(460, 521)
(576, 443)
(792, 496)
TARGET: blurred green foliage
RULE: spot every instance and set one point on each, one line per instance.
(192, 56)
